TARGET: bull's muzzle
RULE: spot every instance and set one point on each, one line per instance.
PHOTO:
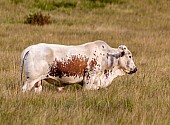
(133, 71)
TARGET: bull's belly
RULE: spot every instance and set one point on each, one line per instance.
(69, 80)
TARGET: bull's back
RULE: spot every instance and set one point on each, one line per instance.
(86, 49)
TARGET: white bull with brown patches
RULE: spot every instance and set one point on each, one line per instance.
(94, 65)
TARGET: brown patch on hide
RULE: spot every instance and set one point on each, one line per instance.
(92, 64)
(74, 66)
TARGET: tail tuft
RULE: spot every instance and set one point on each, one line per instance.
(24, 55)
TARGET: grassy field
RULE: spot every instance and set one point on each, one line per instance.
(139, 99)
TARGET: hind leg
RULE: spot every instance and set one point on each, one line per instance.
(89, 82)
(38, 86)
(29, 84)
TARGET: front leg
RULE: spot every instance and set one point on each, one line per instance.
(88, 82)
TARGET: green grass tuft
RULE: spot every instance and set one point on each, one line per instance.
(65, 4)
(108, 1)
(44, 5)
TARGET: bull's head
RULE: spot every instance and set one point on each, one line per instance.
(125, 61)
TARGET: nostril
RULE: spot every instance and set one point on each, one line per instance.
(135, 69)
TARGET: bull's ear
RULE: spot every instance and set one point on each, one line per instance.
(122, 47)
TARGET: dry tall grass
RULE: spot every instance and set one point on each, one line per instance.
(142, 98)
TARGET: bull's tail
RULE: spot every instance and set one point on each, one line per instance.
(23, 56)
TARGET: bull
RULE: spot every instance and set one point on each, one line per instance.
(94, 65)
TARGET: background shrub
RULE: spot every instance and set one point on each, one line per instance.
(37, 19)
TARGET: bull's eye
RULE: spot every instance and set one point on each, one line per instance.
(130, 56)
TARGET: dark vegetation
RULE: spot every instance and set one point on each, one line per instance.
(38, 19)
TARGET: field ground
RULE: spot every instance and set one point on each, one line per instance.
(139, 99)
